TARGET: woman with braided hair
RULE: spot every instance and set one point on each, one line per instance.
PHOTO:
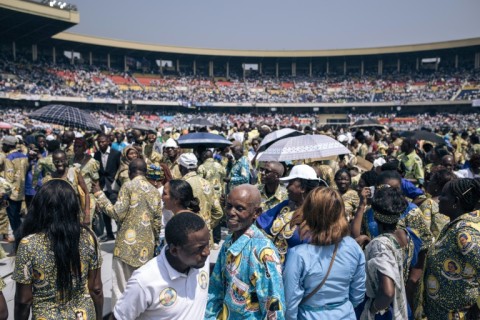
(452, 269)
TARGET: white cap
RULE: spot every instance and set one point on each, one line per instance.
(301, 171)
(188, 160)
(342, 138)
(170, 143)
(78, 134)
(379, 162)
(50, 137)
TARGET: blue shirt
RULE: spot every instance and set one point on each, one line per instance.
(410, 190)
(240, 173)
(246, 282)
(30, 184)
(343, 290)
(119, 146)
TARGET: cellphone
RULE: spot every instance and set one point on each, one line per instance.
(372, 191)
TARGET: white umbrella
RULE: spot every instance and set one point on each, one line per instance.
(311, 147)
(277, 135)
(20, 126)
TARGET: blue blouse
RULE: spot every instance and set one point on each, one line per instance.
(344, 289)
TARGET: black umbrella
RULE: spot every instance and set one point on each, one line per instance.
(66, 116)
(423, 135)
(200, 122)
(205, 139)
(367, 123)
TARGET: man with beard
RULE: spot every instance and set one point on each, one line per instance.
(171, 155)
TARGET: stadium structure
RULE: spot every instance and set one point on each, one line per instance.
(36, 32)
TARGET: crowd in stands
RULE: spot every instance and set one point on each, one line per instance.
(404, 122)
(65, 79)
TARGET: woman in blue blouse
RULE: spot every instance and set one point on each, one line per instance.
(307, 264)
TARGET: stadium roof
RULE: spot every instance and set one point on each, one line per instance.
(130, 45)
(33, 22)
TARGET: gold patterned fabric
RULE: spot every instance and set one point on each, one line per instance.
(90, 175)
(433, 218)
(174, 169)
(5, 190)
(452, 269)
(16, 166)
(138, 211)
(280, 195)
(35, 265)
(210, 208)
(46, 166)
(214, 173)
(70, 153)
(351, 201)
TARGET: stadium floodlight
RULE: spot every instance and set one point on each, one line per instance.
(63, 5)
(52, 3)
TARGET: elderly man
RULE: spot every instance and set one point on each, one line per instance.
(138, 211)
(210, 208)
(271, 190)
(174, 284)
(171, 154)
(246, 282)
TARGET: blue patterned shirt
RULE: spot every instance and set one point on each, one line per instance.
(240, 173)
(246, 282)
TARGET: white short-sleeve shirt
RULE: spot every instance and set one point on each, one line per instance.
(157, 291)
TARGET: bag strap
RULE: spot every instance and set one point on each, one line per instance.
(324, 279)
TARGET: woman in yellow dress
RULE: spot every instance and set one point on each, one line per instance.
(57, 264)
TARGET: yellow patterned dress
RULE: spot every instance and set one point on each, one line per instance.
(452, 269)
(35, 265)
(433, 218)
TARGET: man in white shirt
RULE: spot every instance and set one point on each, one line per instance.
(173, 285)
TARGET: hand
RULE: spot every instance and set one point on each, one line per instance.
(365, 194)
(96, 187)
(362, 240)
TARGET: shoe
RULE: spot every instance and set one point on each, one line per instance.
(107, 238)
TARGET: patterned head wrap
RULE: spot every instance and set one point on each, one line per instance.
(155, 172)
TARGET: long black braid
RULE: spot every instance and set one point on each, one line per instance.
(467, 191)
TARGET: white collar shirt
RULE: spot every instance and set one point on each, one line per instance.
(158, 291)
(105, 157)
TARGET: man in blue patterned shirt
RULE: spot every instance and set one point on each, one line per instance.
(238, 169)
(246, 282)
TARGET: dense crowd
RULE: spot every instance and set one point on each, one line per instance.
(389, 230)
(65, 79)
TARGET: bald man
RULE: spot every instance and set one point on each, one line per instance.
(248, 265)
(272, 192)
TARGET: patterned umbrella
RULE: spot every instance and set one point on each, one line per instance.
(66, 116)
(277, 135)
(206, 139)
(306, 147)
